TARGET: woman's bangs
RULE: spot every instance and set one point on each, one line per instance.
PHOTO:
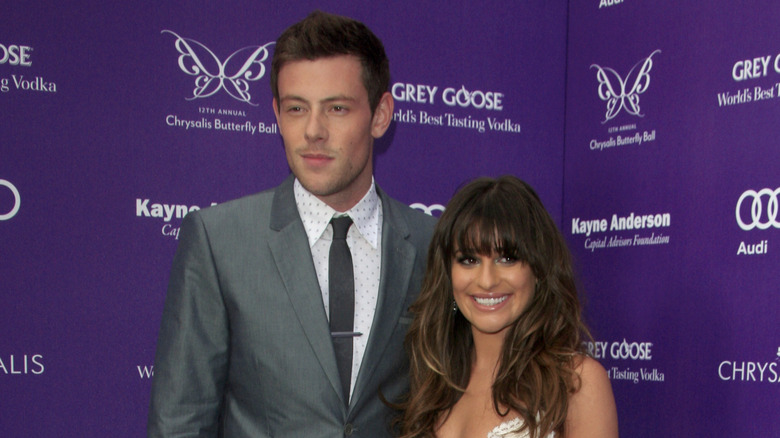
(490, 228)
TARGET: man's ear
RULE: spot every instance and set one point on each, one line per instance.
(276, 110)
(383, 115)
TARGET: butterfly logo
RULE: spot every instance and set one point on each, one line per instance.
(428, 209)
(243, 66)
(613, 89)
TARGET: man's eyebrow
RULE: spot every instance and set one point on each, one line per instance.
(340, 97)
(292, 97)
(337, 98)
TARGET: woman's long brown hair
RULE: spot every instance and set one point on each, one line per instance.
(536, 372)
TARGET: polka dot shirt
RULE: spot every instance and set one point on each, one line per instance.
(365, 244)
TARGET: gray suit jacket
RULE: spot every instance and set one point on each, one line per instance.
(244, 348)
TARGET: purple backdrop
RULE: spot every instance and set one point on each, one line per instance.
(104, 144)
(662, 121)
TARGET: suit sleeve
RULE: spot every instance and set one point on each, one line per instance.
(190, 366)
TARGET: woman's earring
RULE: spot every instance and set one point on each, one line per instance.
(454, 306)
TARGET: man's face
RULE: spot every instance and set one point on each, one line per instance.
(328, 130)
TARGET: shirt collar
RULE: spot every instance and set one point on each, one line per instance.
(316, 215)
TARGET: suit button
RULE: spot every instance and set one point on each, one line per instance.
(348, 429)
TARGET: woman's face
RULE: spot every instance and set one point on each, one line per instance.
(491, 291)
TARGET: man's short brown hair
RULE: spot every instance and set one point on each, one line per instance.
(323, 35)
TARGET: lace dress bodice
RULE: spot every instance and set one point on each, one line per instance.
(511, 429)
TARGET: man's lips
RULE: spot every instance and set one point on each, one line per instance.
(316, 159)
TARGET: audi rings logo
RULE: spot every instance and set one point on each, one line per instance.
(764, 200)
(428, 209)
(17, 200)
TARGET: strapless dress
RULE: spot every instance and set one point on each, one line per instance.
(511, 429)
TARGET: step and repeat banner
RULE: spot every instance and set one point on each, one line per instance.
(648, 128)
(672, 177)
(118, 118)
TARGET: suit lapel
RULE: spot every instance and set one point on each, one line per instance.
(290, 248)
(398, 256)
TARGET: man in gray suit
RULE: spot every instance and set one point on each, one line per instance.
(245, 348)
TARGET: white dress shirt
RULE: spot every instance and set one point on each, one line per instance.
(365, 244)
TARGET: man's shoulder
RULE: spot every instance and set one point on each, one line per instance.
(414, 214)
(251, 209)
(418, 222)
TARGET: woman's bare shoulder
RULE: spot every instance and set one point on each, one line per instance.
(592, 411)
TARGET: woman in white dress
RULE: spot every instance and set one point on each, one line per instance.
(496, 344)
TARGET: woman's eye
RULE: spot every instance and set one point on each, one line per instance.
(467, 260)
